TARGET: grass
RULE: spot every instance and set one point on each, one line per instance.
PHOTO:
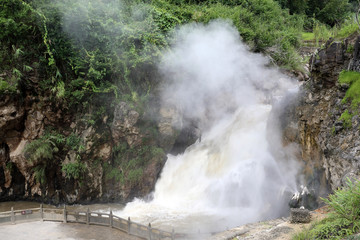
(307, 36)
(322, 33)
(347, 30)
(353, 93)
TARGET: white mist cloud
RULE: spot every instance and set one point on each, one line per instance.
(209, 72)
(231, 177)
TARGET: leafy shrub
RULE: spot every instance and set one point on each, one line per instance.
(330, 12)
(347, 29)
(345, 202)
(343, 220)
(44, 148)
(74, 142)
(74, 170)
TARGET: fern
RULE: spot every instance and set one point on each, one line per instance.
(40, 175)
(346, 202)
(44, 148)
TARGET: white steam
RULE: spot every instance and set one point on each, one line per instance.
(229, 177)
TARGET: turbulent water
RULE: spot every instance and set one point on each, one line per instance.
(228, 177)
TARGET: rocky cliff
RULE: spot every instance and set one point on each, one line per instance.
(116, 158)
(329, 147)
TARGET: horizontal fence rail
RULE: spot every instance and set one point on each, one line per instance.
(87, 217)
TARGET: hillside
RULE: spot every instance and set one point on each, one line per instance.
(81, 116)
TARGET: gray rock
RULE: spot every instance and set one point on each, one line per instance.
(298, 215)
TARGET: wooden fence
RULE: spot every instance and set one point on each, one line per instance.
(94, 218)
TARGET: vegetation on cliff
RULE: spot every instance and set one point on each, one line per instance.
(78, 55)
(87, 57)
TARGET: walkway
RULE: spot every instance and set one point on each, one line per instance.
(60, 231)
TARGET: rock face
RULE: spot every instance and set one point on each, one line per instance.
(123, 125)
(329, 150)
(327, 63)
(88, 151)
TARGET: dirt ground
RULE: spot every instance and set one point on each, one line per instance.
(278, 229)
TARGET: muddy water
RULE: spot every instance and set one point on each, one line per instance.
(6, 206)
(52, 230)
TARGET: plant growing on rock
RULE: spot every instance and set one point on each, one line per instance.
(353, 93)
(346, 118)
(74, 170)
(41, 152)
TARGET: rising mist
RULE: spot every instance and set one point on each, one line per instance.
(230, 176)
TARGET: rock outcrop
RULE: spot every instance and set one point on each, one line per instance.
(329, 150)
(89, 149)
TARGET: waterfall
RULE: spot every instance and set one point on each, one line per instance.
(229, 177)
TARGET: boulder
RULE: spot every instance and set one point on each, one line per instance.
(299, 215)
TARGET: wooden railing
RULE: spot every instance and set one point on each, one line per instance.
(94, 218)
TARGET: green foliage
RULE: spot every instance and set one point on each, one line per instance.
(6, 87)
(334, 12)
(345, 202)
(353, 93)
(74, 142)
(262, 24)
(307, 36)
(114, 173)
(321, 32)
(135, 175)
(346, 117)
(334, 228)
(74, 170)
(303, 235)
(330, 12)
(24, 46)
(130, 162)
(41, 152)
(40, 174)
(344, 219)
(347, 29)
(44, 148)
(9, 166)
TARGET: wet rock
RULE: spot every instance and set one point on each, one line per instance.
(124, 125)
(169, 125)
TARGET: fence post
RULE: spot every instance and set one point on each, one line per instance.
(88, 216)
(111, 219)
(12, 215)
(65, 214)
(173, 234)
(41, 212)
(129, 225)
(149, 229)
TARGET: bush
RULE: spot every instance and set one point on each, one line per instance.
(42, 150)
(74, 170)
(343, 220)
(345, 202)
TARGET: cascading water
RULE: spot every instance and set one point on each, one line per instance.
(229, 177)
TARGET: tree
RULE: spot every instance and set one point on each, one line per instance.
(334, 12)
